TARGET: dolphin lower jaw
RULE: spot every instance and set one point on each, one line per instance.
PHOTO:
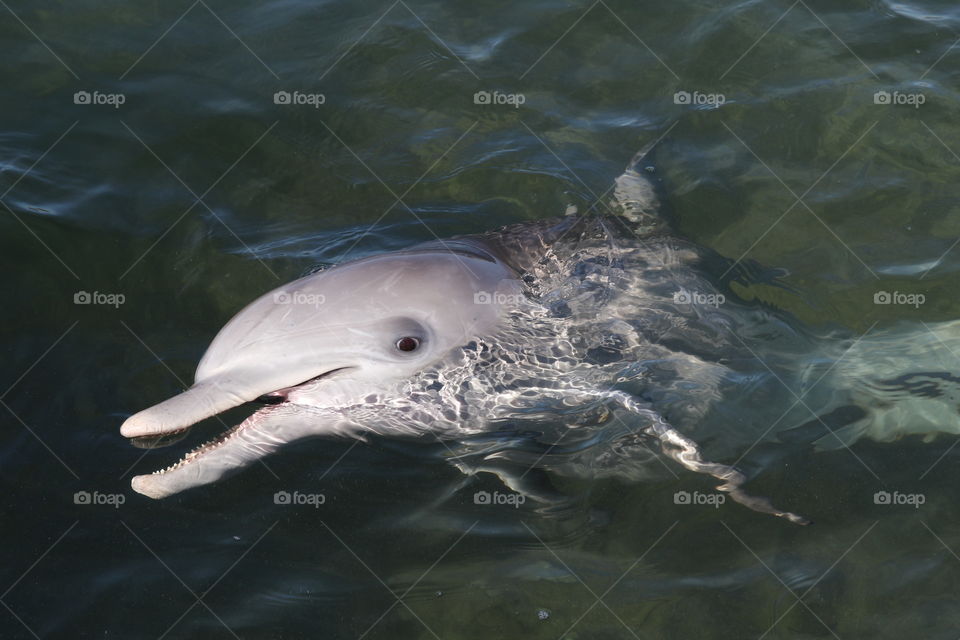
(207, 463)
(259, 435)
(201, 465)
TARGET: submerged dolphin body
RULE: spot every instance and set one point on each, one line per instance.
(558, 318)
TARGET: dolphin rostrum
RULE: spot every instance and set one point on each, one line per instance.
(564, 318)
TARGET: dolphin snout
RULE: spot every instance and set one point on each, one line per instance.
(201, 401)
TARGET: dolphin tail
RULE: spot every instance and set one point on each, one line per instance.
(902, 380)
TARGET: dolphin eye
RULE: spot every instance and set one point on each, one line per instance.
(408, 343)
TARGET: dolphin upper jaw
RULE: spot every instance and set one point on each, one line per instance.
(208, 398)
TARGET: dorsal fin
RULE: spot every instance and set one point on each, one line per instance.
(635, 195)
(523, 245)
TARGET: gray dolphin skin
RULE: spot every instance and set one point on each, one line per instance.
(604, 323)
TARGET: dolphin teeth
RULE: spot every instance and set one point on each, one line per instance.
(208, 446)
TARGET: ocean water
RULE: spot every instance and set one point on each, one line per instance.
(162, 164)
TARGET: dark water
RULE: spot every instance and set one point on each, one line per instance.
(198, 193)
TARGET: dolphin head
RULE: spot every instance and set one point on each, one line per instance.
(377, 320)
(372, 323)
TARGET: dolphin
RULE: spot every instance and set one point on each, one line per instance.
(571, 317)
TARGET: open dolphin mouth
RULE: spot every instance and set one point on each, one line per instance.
(281, 395)
(169, 421)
